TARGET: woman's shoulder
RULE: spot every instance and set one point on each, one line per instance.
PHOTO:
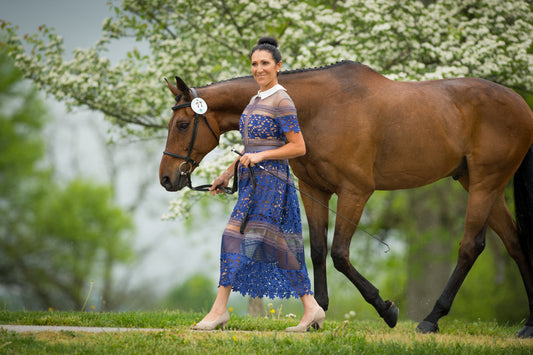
(282, 98)
(252, 99)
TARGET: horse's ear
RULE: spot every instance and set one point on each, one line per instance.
(184, 89)
(172, 88)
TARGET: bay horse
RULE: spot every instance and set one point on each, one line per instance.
(364, 132)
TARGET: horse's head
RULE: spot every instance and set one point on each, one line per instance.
(192, 133)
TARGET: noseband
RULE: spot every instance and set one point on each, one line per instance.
(188, 161)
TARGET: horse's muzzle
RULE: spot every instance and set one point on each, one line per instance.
(180, 181)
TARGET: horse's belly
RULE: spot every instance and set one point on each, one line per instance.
(406, 172)
(405, 180)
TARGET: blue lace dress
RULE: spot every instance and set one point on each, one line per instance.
(268, 259)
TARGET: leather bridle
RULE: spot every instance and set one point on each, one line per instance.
(188, 161)
(191, 163)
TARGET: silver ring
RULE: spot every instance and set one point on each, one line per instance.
(184, 172)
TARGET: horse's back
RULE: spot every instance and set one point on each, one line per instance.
(408, 134)
(442, 124)
(500, 121)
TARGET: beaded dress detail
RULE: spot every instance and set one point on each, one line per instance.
(268, 259)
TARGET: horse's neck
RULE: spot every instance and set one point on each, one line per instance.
(228, 99)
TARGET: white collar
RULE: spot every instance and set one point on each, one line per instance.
(271, 91)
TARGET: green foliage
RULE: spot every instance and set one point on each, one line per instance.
(22, 117)
(54, 237)
(195, 294)
(89, 220)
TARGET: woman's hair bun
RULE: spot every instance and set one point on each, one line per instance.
(269, 44)
(268, 40)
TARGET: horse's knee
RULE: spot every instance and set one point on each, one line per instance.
(340, 260)
(318, 255)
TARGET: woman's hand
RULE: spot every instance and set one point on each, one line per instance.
(250, 159)
(221, 181)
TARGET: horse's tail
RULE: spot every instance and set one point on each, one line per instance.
(523, 199)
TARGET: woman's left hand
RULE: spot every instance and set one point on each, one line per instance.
(250, 159)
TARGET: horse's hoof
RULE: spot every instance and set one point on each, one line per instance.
(391, 314)
(426, 327)
(525, 332)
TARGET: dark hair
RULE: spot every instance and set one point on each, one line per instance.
(269, 44)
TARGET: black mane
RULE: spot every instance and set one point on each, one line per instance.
(292, 71)
(303, 70)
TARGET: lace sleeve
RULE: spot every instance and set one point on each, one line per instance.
(286, 116)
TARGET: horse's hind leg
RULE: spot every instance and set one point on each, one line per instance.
(502, 223)
(317, 219)
(480, 202)
(351, 207)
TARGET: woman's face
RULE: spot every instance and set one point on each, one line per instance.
(264, 69)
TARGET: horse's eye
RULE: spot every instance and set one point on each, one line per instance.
(183, 126)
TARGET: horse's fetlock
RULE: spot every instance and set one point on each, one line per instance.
(443, 306)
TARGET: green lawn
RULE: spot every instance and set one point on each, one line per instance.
(251, 336)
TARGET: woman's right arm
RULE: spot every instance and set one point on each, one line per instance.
(223, 179)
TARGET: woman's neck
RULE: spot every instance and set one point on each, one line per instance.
(269, 86)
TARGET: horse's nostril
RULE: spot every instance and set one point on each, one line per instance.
(165, 182)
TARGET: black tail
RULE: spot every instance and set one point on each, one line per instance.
(523, 199)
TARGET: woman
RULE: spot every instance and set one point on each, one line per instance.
(268, 258)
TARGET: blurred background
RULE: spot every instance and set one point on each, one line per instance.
(84, 223)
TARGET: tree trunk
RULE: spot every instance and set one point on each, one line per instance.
(436, 232)
(255, 307)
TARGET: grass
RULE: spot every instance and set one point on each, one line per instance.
(251, 336)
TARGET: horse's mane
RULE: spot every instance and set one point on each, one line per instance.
(292, 71)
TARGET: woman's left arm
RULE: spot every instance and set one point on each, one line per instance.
(293, 148)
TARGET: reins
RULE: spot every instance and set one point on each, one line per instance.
(203, 188)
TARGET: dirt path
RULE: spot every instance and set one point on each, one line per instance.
(45, 328)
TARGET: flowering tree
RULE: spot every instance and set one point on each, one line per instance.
(210, 40)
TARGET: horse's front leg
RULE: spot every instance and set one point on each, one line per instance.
(350, 207)
(317, 218)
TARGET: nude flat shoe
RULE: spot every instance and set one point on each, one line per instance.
(315, 322)
(213, 324)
